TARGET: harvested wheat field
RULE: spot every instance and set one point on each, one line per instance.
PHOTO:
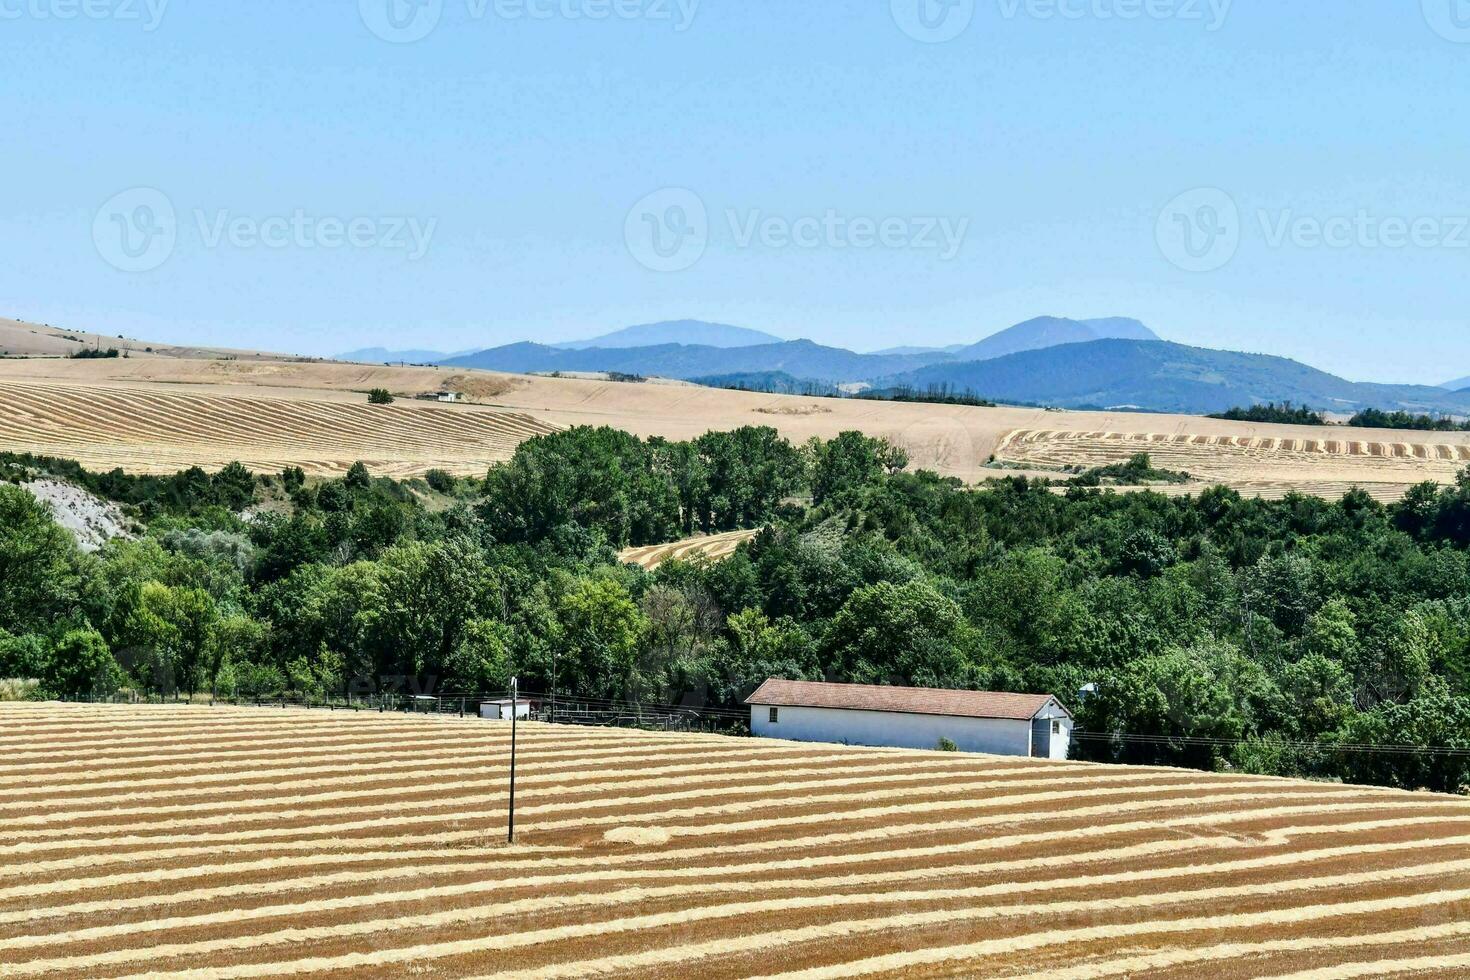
(149, 429)
(711, 546)
(1268, 465)
(953, 440)
(197, 842)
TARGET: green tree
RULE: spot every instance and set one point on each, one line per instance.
(234, 487)
(598, 628)
(906, 634)
(482, 660)
(358, 478)
(82, 664)
(850, 461)
(39, 577)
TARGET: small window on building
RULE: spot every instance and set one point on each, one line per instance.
(774, 718)
(1056, 728)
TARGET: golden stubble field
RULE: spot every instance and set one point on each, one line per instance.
(713, 546)
(158, 414)
(215, 843)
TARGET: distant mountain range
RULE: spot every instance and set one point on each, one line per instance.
(799, 358)
(1156, 375)
(1113, 362)
(382, 355)
(697, 333)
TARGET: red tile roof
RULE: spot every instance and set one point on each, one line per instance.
(909, 700)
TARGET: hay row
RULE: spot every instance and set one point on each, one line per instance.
(114, 855)
(706, 887)
(286, 807)
(768, 940)
(1129, 965)
(422, 814)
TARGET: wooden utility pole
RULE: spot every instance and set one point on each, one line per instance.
(510, 834)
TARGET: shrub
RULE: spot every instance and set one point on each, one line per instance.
(441, 481)
(18, 690)
(380, 396)
(945, 744)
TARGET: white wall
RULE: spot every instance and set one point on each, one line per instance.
(994, 735)
(502, 711)
(1057, 744)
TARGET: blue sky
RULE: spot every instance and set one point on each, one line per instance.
(1253, 175)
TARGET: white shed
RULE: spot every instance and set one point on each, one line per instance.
(1035, 725)
(500, 708)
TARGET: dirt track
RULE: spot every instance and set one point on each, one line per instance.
(217, 843)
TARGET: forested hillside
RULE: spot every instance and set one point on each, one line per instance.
(1218, 631)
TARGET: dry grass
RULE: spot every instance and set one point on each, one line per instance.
(954, 440)
(190, 842)
(1329, 462)
(17, 690)
(151, 430)
(711, 546)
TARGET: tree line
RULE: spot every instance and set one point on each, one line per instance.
(1212, 631)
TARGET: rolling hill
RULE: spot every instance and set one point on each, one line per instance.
(382, 355)
(699, 333)
(1160, 376)
(799, 358)
(1459, 384)
(1052, 331)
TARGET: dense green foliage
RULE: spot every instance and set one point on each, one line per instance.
(380, 396)
(1373, 418)
(1216, 631)
(1285, 413)
(1136, 471)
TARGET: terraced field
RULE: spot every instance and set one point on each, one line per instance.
(714, 546)
(146, 429)
(217, 843)
(1261, 465)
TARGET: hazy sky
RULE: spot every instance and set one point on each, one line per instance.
(316, 176)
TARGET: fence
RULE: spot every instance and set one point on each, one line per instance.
(562, 710)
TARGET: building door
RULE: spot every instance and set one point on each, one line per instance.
(1041, 738)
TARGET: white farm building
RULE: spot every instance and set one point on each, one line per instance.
(1035, 725)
